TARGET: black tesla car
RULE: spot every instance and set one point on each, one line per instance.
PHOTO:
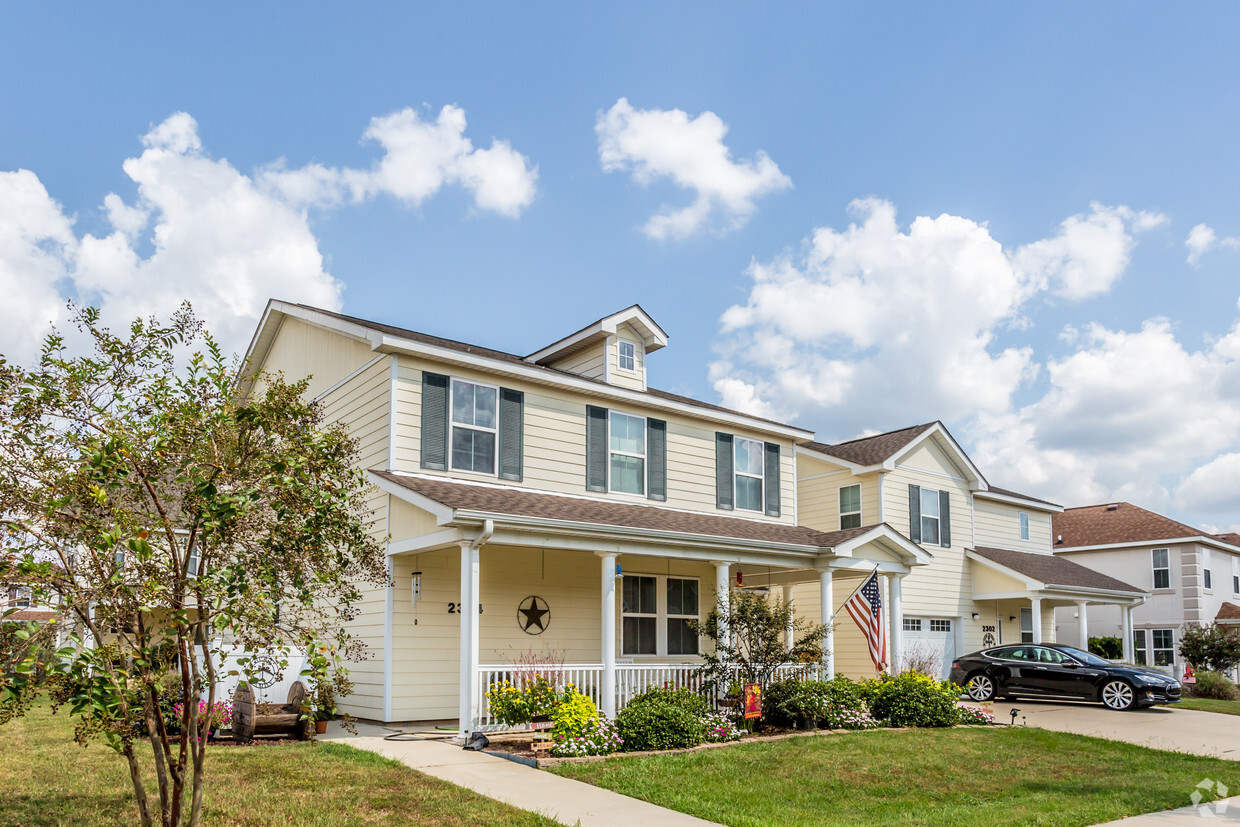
(1050, 670)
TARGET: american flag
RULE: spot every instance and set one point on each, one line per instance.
(866, 608)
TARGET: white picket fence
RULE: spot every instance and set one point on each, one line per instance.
(632, 679)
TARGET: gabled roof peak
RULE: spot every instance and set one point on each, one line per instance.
(653, 336)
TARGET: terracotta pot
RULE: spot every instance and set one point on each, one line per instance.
(320, 727)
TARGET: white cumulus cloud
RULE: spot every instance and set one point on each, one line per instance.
(1202, 239)
(654, 144)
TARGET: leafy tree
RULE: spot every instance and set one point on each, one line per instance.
(749, 631)
(1210, 646)
(162, 502)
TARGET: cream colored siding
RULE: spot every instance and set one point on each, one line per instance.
(555, 443)
(998, 524)
(636, 378)
(590, 361)
(302, 349)
(426, 640)
(819, 485)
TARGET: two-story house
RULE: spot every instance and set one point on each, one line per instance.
(1192, 576)
(993, 578)
(555, 506)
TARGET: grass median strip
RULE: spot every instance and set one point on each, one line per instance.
(47, 779)
(966, 776)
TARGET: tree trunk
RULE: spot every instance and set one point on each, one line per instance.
(139, 790)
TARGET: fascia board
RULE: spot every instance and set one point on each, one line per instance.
(893, 539)
(1142, 544)
(843, 463)
(443, 514)
(1032, 506)
(937, 429)
(1082, 590)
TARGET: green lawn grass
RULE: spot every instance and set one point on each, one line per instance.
(47, 779)
(1210, 705)
(994, 776)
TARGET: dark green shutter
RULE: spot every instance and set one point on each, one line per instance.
(656, 459)
(434, 421)
(914, 513)
(772, 479)
(724, 465)
(945, 520)
(511, 437)
(596, 448)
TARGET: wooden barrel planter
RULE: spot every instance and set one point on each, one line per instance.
(288, 719)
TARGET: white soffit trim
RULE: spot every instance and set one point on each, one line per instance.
(1143, 544)
(653, 336)
(1023, 503)
(889, 538)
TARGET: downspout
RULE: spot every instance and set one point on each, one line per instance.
(488, 528)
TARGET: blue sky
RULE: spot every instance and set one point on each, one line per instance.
(1044, 306)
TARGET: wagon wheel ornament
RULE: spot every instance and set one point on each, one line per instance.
(265, 672)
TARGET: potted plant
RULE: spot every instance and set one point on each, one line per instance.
(324, 705)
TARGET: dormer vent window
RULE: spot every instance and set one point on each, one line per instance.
(628, 356)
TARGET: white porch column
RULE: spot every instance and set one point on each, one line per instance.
(896, 609)
(469, 638)
(1036, 604)
(790, 633)
(1082, 638)
(608, 581)
(723, 585)
(826, 594)
(1125, 613)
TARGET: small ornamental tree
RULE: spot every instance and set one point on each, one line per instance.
(169, 513)
(749, 633)
(1211, 646)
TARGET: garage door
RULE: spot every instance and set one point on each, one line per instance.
(929, 644)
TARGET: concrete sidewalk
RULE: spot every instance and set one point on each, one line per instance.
(568, 801)
(1226, 811)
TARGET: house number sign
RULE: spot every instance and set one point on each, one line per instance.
(455, 608)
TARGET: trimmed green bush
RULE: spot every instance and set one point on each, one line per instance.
(1111, 648)
(571, 715)
(681, 698)
(658, 725)
(913, 699)
(1213, 685)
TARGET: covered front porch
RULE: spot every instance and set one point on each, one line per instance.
(549, 592)
(1026, 588)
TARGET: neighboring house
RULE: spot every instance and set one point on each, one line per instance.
(1192, 576)
(555, 506)
(993, 578)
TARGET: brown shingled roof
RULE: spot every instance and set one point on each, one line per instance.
(30, 614)
(1229, 537)
(1228, 611)
(1054, 571)
(1111, 523)
(871, 450)
(513, 359)
(457, 494)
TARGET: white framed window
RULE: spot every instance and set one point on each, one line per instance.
(850, 506)
(628, 355)
(1207, 573)
(475, 417)
(912, 624)
(1164, 647)
(656, 613)
(23, 597)
(1139, 653)
(1024, 526)
(1161, 559)
(1026, 625)
(1235, 584)
(929, 517)
(750, 466)
(626, 466)
(940, 625)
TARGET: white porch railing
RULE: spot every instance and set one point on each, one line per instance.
(632, 679)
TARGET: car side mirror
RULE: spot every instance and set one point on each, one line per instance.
(1071, 665)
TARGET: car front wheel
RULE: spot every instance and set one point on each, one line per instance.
(981, 687)
(1118, 695)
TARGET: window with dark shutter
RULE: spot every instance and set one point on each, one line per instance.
(596, 448)
(914, 513)
(945, 523)
(511, 433)
(772, 479)
(723, 471)
(656, 459)
(434, 421)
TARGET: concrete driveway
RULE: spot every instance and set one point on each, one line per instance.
(1160, 727)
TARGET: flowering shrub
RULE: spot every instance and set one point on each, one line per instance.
(599, 736)
(840, 718)
(719, 727)
(513, 705)
(221, 713)
(571, 714)
(975, 715)
(912, 699)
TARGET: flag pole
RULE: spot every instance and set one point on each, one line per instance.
(854, 593)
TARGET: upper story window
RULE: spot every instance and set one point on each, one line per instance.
(475, 415)
(749, 473)
(850, 506)
(627, 439)
(628, 355)
(1162, 568)
(1024, 526)
(929, 516)
(1207, 576)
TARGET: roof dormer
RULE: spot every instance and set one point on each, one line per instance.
(612, 349)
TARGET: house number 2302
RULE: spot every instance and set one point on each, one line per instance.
(455, 608)
(988, 628)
